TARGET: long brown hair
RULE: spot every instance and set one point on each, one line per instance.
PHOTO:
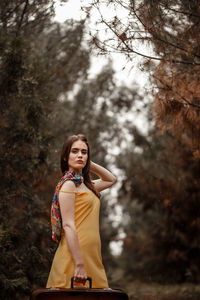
(65, 156)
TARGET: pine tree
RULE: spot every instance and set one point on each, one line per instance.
(170, 29)
(28, 98)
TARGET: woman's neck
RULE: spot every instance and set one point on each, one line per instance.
(77, 171)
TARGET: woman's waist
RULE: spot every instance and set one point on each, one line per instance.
(85, 231)
(86, 239)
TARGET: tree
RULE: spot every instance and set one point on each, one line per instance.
(160, 200)
(31, 68)
(170, 29)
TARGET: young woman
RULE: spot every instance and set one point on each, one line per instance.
(75, 217)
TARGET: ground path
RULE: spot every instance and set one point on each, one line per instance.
(153, 291)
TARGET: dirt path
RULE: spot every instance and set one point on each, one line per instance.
(142, 291)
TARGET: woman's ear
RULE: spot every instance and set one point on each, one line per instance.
(64, 158)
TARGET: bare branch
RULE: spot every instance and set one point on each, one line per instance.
(130, 50)
(22, 16)
(181, 11)
(9, 13)
(162, 40)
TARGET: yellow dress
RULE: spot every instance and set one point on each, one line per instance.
(87, 206)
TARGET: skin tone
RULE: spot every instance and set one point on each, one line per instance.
(78, 156)
(77, 160)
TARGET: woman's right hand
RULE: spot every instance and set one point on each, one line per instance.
(80, 274)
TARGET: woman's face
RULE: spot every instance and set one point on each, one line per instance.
(78, 156)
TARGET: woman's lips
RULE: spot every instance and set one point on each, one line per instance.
(79, 161)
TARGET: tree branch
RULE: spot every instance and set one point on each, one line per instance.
(182, 97)
(22, 16)
(162, 40)
(130, 50)
(9, 13)
(181, 12)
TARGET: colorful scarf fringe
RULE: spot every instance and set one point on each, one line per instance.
(56, 220)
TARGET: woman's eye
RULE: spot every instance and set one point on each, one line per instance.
(74, 151)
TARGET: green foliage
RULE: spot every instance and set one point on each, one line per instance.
(160, 198)
(27, 80)
(24, 148)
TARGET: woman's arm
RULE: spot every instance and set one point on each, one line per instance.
(67, 203)
(107, 179)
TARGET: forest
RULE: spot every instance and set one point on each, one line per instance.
(47, 93)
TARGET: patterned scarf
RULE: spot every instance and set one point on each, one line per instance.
(56, 220)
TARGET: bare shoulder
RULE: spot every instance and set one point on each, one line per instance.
(68, 185)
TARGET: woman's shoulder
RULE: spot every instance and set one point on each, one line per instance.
(68, 185)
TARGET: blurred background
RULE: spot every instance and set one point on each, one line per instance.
(127, 75)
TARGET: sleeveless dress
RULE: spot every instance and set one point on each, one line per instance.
(87, 206)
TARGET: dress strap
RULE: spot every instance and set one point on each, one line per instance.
(71, 192)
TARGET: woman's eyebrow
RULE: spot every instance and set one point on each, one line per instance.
(79, 148)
